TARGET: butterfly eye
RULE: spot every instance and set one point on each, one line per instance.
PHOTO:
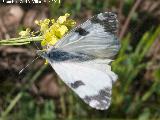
(49, 55)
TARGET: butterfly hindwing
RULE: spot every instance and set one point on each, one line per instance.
(92, 84)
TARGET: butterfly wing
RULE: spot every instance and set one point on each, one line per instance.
(91, 81)
(94, 37)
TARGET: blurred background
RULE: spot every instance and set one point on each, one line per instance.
(38, 94)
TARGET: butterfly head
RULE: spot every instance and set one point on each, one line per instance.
(42, 53)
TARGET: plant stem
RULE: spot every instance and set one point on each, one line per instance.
(15, 43)
(125, 26)
(20, 41)
(12, 104)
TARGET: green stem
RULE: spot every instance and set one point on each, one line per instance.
(15, 43)
(20, 41)
(12, 104)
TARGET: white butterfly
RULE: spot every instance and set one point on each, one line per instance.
(82, 58)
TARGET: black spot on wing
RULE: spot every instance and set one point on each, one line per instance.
(76, 84)
(105, 92)
(81, 31)
(102, 99)
(108, 20)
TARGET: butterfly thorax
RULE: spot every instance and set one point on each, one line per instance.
(56, 55)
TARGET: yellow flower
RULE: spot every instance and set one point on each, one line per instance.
(36, 22)
(53, 21)
(25, 33)
(44, 25)
(61, 31)
(53, 30)
(53, 40)
(62, 19)
(49, 39)
(70, 23)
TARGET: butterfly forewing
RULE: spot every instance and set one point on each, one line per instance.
(94, 37)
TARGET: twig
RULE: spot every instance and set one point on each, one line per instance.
(124, 29)
(120, 14)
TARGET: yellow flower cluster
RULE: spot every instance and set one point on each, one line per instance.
(53, 30)
(25, 33)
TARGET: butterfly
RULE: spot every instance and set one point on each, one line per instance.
(82, 57)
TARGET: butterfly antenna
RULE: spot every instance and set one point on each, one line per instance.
(36, 45)
(21, 71)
